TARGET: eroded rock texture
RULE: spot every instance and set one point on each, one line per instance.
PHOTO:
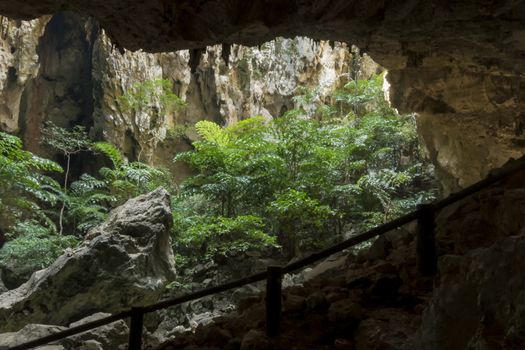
(223, 88)
(479, 300)
(124, 261)
(18, 65)
(453, 62)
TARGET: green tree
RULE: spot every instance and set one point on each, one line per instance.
(69, 143)
(218, 238)
(357, 166)
(230, 163)
(25, 190)
(124, 180)
(297, 214)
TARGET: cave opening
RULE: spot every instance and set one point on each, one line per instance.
(268, 154)
(318, 108)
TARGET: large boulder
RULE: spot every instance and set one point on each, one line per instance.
(125, 261)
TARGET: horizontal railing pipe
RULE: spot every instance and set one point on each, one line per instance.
(205, 292)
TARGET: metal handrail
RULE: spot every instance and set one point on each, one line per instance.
(491, 179)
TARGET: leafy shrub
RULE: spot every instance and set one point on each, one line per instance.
(218, 237)
(25, 190)
(88, 202)
(125, 180)
(33, 247)
(90, 198)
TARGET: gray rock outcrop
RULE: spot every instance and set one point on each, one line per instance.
(28, 333)
(125, 261)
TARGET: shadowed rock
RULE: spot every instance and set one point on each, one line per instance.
(124, 261)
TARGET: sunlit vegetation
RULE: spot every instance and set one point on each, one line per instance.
(305, 179)
(317, 174)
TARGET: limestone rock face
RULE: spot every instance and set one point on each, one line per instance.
(470, 122)
(223, 86)
(28, 333)
(125, 261)
(479, 302)
(19, 63)
(61, 89)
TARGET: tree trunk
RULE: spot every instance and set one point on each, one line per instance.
(288, 239)
(61, 217)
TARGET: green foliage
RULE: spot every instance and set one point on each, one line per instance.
(67, 141)
(300, 219)
(25, 190)
(300, 181)
(133, 179)
(355, 167)
(33, 247)
(212, 133)
(152, 95)
(109, 151)
(126, 180)
(218, 237)
(178, 131)
(88, 202)
(90, 198)
(296, 206)
(357, 94)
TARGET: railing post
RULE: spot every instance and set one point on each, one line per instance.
(273, 300)
(135, 328)
(426, 242)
